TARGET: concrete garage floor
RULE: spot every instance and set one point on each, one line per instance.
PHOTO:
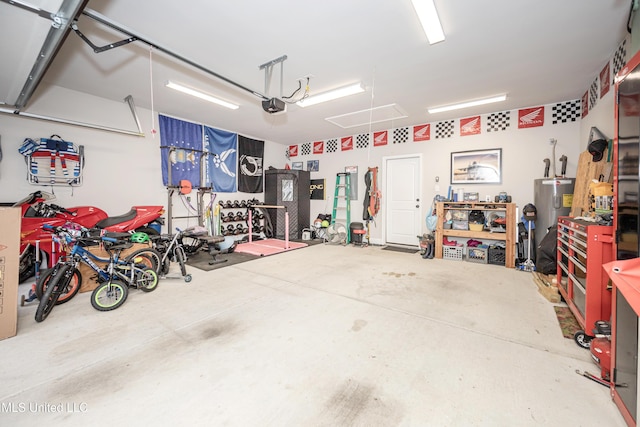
(320, 336)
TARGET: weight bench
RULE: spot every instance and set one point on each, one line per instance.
(211, 247)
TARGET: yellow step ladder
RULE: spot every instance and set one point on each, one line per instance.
(342, 192)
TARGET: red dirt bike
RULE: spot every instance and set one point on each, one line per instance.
(37, 212)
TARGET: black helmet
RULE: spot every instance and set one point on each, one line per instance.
(529, 212)
(476, 217)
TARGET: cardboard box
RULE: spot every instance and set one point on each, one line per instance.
(9, 261)
(89, 275)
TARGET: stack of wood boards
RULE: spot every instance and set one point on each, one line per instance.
(589, 170)
(546, 287)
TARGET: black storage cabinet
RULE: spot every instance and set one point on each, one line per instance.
(289, 188)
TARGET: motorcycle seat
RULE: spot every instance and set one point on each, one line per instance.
(113, 220)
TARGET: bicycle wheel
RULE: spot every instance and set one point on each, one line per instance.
(70, 290)
(182, 259)
(109, 295)
(51, 295)
(145, 279)
(165, 267)
(146, 256)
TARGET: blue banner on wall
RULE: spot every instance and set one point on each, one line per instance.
(222, 162)
(181, 149)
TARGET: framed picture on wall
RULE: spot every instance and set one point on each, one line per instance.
(313, 165)
(296, 166)
(476, 167)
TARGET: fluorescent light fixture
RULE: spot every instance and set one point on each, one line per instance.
(332, 94)
(428, 15)
(475, 103)
(201, 95)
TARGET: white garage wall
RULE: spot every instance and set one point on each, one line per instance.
(123, 170)
(523, 152)
(120, 170)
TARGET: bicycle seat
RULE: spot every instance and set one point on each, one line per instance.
(117, 235)
(113, 246)
(88, 241)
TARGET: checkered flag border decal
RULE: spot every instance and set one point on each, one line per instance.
(593, 94)
(564, 112)
(444, 129)
(363, 140)
(498, 121)
(331, 145)
(619, 59)
(400, 135)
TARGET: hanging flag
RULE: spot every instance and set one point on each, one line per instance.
(293, 150)
(585, 104)
(605, 78)
(318, 147)
(530, 117)
(421, 133)
(222, 161)
(346, 143)
(181, 149)
(470, 126)
(380, 138)
(250, 160)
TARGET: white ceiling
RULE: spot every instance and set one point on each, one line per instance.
(536, 52)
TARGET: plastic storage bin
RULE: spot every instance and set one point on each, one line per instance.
(497, 255)
(477, 254)
(453, 252)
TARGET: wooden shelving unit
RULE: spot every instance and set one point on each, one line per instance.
(509, 237)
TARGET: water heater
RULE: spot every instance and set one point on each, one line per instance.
(552, 197)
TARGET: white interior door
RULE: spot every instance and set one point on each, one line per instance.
(403, 207)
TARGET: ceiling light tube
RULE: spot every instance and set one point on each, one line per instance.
(428, 15)
(332, 94)
(433, 110)
(201, 95)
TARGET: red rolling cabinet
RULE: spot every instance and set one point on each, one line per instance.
(583, 247)
(625, 276)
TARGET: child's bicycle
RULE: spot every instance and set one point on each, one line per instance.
(148, 256)
(114, 279)
(172, 248)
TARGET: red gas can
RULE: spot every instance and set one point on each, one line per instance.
(601, 354)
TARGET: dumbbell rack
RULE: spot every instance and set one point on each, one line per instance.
(234, 216)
